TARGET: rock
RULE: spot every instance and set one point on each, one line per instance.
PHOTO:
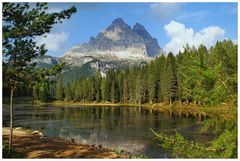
(100, 146)
(37, 133)
(18, 128)
(152, 47)
(117, 42)
(45, 61)
(72, 140)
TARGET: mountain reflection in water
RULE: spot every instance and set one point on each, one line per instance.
(120, 128)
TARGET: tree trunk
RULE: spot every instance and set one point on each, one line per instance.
(170, 101)
(11, 124)
(151, 102)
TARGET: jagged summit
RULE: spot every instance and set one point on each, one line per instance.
(117, 43)
(118, 46)
(140, 29)
(119, 38)
(118, 23)
(151, 43)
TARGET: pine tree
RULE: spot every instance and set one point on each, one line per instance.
(43, 92)
(68, 92)
(21, 24)
(98, 79)
(104, 89)
(179, 62)
(59, 90)
(152, 82)
(125, 90)
(171, 77)
(78, 91)
(113, 91)
(139, 90)
(131, 84)
(162, 90)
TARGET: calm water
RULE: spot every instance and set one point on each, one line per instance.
(114, 127)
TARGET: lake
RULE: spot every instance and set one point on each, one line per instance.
(120, 128)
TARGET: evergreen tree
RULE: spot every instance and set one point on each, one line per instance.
(125, 90)
(171, 77)
(21, 23)
(78, 91)
(162, 90)
(98, 79)
(104, 89)
(43, 92)
(59, 90)
(68, 92)
(113, 91)
(152, 82)
(131, 84)
(138, 90)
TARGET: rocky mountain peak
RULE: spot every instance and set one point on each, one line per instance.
(151, 43)
(140, 30)
(120, 24)
(117, 43)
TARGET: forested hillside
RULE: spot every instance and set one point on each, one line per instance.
(205, 77)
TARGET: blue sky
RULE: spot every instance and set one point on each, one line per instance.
(173, 24)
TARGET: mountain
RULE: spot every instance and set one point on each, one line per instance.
(118, 42)
(118, 46)
(152, 47)
(45, 61)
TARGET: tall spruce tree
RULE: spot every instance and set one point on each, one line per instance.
(60, 90)
(98, 79)
(104, 89)
(44, 91)
(125, 90)
(171, 78)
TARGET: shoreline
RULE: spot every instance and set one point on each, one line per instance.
(71, 103)
(31, 144)
(176, 109)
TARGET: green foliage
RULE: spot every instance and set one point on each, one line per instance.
(43, 92)
(21, 25)
(59, 90)
(195, 75)
(223, 146)
(171, 78)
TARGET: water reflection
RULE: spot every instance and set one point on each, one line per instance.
(114, 127)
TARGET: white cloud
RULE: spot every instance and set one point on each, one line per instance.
(165, 10)
(180, 36)
(53, 41)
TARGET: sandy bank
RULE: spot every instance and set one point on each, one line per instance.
(35, 146)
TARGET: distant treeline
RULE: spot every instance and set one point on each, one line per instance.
(194, 75)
